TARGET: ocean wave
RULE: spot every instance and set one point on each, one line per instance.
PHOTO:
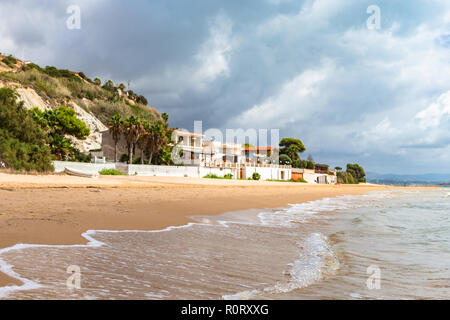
(303, 212)
(317, 261)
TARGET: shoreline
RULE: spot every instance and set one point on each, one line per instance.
(59, 209)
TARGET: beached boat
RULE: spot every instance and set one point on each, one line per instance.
(77, 173)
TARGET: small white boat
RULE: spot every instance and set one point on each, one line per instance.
(73, 172)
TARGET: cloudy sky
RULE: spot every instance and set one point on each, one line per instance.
(311, 68)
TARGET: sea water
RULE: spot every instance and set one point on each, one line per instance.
(383, 245)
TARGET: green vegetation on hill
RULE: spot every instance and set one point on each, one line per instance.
(62, 85)
(10, 61)
(23, 143)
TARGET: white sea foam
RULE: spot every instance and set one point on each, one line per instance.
(316, 261)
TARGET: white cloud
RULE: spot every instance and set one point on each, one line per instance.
(436, 113)
(215, 54)
(293, 102)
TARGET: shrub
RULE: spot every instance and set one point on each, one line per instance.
(212, 176)
(61, 73)
(10, 61)
(228, 176)
(111, 172)
(31, 66)
(124, 158)
(78, 156)
(256, 176)
(23, 144)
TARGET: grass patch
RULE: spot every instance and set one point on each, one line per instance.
(228, 176)
(298, 181)
(111, 172)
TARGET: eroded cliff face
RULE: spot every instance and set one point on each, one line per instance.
(32, 99)
(94, 141)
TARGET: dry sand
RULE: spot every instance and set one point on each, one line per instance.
(57, 209)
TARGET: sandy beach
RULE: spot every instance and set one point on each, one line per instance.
(57, 209)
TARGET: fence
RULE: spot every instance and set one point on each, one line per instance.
(82, 166)
(238, 172)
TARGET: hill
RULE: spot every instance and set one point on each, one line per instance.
(411, 179)
(48, 88)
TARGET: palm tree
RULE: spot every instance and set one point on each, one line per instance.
(157, 138)
(60, 146)
(133, 130)
(144, 139)
(115, 129)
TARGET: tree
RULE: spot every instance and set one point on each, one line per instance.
(60, 146)
(292, 147)
(338, 169)
(61, 121)
(58, 123)
(23, 143)
(156, 139)
(133, 130)
(109, 85)
(284, 159)
(97, 81)
(357, 172)
(144, 139)
(115, 129)
(165, 150)
(141, 100)
(122, 87)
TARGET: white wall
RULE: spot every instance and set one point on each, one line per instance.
(163, 171)
(82, 166)
(268, 173)
(217, 171)
(174, 171)
(309, 175)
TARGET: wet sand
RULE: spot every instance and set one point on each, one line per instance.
(57, 209)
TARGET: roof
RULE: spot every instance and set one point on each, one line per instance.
(259, 148)
(183, 132)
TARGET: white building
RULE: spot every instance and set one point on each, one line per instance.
(189, 146)
(217, 154)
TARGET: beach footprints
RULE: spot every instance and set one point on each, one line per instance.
(374, 280)
(74, 281)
